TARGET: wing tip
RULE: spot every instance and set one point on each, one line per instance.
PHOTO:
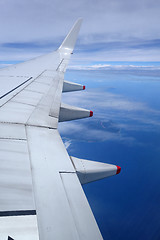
(70, 40)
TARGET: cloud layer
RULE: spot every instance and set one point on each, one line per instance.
(115, 115)
(112, 30)
(126, 67)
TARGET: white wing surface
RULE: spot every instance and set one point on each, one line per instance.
(40, 184)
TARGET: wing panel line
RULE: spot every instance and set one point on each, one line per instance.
(17, 213)
(15, 88)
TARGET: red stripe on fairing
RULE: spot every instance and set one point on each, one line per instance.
(118, 169)
(91, 114)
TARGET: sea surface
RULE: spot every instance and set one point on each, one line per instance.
(125, 130)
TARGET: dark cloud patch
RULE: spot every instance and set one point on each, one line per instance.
(22, 45)
(81, 47)
(119, 45)
(29, 45)
(154, 43)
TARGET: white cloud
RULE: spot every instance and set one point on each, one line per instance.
(93, 99)
(113, 114)
(83, 132)
(114, 67)
(108, 107)
(67, 143)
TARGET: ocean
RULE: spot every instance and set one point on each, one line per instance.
(125, 130)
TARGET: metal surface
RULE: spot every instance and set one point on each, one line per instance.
(70, 86)
(15, 174)
(68, 113)
(89, 171)
(19, 227)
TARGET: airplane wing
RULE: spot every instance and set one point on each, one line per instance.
(40, 184)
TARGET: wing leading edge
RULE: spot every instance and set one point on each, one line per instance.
(37, 175)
